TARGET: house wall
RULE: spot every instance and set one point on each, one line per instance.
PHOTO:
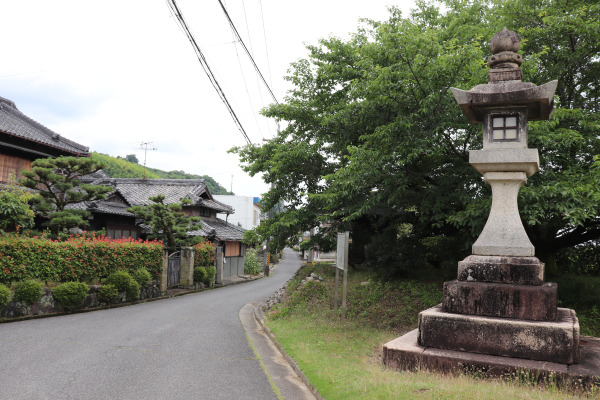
(195, 211)
(10, 164)
(117, 227)
(247, 213)
(233, 266)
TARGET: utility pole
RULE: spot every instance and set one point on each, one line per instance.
(144, 146)
(268, 255)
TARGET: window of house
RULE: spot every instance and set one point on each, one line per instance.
(232, 249)
(121, 232)
(505, 128)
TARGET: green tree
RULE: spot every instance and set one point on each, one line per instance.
(57, 180)
(14, 209)
(132, 158)
(373, 132)
(168, 222)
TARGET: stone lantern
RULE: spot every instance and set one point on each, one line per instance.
(504, 106)
(499, 309)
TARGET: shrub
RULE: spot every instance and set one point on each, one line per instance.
(205, 275)
(142, 276)
(79, 258)
(133, 290)
(28, 291)
(252, 263)
(124, 283)
(4, 296)
(211, 272)
(71, 295)
(108, 294)
(200, 274)
(204, 254)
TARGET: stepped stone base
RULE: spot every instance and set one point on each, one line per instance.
(497, 269)
(553, 341)
(405, 353)
(536, 303)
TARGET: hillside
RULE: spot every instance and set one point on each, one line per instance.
(117, 167)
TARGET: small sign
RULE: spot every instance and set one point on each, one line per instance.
(342, 250)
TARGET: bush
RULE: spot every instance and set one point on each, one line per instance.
(71, 295)
(204, 254)
(205, 275)
(211, 272)
(107, 294)
(80, 258)
(142, 276)
(252, 263)
(4, 296)
(133, 290)
(28, 291)
(124, 283)
(200, 274)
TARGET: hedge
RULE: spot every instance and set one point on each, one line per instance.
(204, 254)
(77, 259)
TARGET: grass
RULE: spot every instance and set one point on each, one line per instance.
(342, 360)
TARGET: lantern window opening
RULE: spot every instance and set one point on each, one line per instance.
(505, 128)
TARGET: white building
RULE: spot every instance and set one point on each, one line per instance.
(248, 212)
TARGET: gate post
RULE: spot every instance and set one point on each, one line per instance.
(186, 279)
(163, 274)
(219, 265)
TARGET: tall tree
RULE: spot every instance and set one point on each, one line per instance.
(168, 222)
(57, 180)
(373, 131)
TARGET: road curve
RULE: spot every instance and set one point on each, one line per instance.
(188, 347)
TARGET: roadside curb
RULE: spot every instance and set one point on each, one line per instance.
(259, 316)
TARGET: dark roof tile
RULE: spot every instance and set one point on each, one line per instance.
(14, 122)
(218, 229)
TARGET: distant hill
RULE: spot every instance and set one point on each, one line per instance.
(117, 167)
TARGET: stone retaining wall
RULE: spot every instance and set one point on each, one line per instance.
(48, 305)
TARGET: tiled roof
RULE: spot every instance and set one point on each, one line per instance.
(138, 191)
(218, 229)
(102, 207)
(5, 187)
(13, 122)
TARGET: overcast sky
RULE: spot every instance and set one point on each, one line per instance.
(114, 74)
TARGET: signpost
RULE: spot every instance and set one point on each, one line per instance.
(342, 263)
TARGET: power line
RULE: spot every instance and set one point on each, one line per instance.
(239, 38)
(244, 79)
(213, 80)
(262, 17)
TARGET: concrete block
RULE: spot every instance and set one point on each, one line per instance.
(556, 341)
(535, 303)
(517, 270)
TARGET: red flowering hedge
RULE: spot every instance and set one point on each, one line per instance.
(204, 254)
(76, 259)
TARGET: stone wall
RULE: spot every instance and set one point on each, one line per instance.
(48, 305)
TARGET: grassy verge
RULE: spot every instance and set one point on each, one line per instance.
(343, 359)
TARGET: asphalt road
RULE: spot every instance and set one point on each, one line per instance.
(188, 347)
